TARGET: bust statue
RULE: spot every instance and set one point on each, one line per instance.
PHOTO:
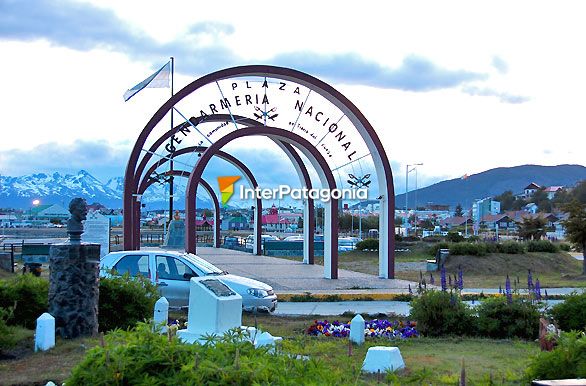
(176, 216)
(78, 210)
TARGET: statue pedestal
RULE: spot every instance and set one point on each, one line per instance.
(175, 237)
(74, 288)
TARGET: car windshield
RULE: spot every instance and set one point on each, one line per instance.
(207, 267)
(345, 242)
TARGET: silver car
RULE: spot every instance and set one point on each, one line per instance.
(172, 270)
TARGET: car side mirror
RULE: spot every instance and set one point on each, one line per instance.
(188, 275)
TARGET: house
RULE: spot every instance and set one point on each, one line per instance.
(504, 222)
(235, 223)
(452, 222)
(531, 189)
(486, 206)
(552, 190)
(278, 222)
(530, 208)
(51, 211)
(7, 220)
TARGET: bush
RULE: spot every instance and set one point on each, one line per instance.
(143, 357)
(8, 338)
(432, 251)
(367, 244)
(499, 319)
(571, 314)
(541, 246)
(124, 301)
(566, 361)
(454, 237)
(511, 247)
(28, 294)
(468, 249)
(440, 313)
(564, 247)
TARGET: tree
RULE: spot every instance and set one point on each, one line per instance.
(532, 228)
(506, 199)
(458, 212)
(575, 226)
(579, 192)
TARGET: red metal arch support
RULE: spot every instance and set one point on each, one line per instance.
(285, 136)
(207, 187)
(225, 156)
(382, 164)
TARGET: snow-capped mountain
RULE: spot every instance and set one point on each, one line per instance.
(18, 192)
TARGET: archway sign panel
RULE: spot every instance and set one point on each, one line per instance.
(314, 113)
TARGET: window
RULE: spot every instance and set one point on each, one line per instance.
(170, 268)
(133, 265)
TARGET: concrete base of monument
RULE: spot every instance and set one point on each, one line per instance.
(381, 358)
(256, 337)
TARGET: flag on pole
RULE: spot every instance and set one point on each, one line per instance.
(159, 79)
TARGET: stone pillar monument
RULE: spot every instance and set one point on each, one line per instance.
(74, 279)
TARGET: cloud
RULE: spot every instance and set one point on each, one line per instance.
(414, 74)
(502, 96)
(500, 64)
(84, 27)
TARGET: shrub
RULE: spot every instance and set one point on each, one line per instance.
(432, 251)
(28, 294)
(571, 314)
(564, 247)
(511, 247)
(440, 313)
(454, 237)
(499, 319)
(367, 244)
(8, 338)
(471, 249)
(411, 238)
(566, 361)
(541, 246)
(124, 301)
(143, 357)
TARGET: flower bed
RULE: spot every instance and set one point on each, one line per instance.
(374, 328)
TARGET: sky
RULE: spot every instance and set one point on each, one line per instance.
(459, 86)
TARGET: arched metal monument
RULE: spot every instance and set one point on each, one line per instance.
(306, 117)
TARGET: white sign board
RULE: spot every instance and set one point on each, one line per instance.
(97, 231)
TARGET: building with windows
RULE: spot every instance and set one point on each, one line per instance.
(484, 207)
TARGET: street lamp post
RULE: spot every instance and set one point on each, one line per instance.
(407, 171)
(359, 182)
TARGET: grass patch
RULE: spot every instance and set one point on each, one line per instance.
(39, 368)
(552, 269)
(429, 361)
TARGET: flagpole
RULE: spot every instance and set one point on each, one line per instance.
(171, 147)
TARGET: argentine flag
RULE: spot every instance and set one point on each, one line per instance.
(159, 79)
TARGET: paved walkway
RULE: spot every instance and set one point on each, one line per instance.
(293, 276)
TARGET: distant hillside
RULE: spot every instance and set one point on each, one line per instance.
(493, 182)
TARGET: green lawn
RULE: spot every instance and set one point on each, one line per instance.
(434, 361)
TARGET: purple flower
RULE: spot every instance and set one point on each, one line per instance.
(529, 280)
(508, 291)
(431, 279)
(500, 289)
(460, 278)
(443, 279)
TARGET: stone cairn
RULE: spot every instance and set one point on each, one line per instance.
(74, 279)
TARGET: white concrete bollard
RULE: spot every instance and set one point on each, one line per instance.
(45, 333)
(381, 358)
(161, 314)
(357, 330)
